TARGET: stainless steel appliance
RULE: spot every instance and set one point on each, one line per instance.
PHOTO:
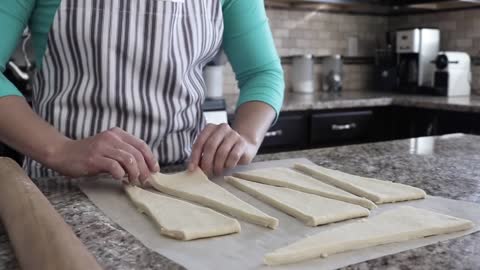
(332, 73)
(453, 76)
(416, 49)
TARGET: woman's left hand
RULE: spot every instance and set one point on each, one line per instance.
(219, 147)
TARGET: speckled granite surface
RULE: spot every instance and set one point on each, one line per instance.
(447, 166)
(354, 99)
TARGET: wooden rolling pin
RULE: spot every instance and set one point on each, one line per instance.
(39, 236)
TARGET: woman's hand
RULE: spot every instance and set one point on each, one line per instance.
(113, 151)
(219, 147)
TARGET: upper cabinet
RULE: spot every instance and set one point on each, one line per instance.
(385, 7)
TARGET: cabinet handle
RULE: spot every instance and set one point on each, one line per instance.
(274, 133)
(336, 127)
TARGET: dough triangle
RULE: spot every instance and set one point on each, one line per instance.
(196, 187)
(286, 177)
(396, 225)
(179, 219)
(313, 210)
(378, 191)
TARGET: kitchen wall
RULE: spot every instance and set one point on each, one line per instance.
(322, 33)
(460, 31)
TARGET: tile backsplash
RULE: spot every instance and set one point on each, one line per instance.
(322, 33)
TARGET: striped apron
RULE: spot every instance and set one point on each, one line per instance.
(133, 64)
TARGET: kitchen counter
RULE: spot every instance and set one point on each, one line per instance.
(446, 166)
(354, 99)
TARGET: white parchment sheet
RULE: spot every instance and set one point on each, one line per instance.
(246, 249)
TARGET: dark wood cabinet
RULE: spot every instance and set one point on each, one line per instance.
(321, 128)
(476, 124)
(454, 122)
(329, 128)
(410, 122)
(6, 151)
(289, 132)
(407, 122)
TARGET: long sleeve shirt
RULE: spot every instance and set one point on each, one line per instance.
(247, 41)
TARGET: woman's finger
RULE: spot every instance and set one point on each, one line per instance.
(223, 150)
(140, 163)
(141, 146)
(236, 154)
(197, 147)
(108, 165)
(210, 147)
(126, 160)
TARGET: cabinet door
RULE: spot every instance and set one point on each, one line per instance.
(413, 122)
(6, 151)
(455, 122)
(340, 127)
(476, 124)
(290, 131)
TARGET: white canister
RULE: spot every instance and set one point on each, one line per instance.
(302, 74)
(213, 76)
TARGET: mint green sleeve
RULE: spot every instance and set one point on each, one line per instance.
(249, 46)
(14, 15)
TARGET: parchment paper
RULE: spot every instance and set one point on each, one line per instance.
(246, 249)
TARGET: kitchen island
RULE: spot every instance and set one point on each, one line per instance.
(446, 166)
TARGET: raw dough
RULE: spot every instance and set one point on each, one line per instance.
(378, 191)
(286, 177)
(313, 210)
(179, 219)
(195, 186)
(396, 225)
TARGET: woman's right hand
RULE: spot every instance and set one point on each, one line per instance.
(113, 151)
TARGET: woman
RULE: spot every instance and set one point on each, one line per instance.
(120, 84)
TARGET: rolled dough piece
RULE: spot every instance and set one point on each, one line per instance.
(378, 191)
(179, 219)
(396, 225)
(196, 187)
(286, 177)
(313, 210)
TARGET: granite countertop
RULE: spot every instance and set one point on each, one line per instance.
(446, 166)
(355, 99)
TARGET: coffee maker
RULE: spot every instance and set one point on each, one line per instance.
(453, 74)
(416, 49)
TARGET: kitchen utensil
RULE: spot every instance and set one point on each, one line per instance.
(302, 74)
(39, 236)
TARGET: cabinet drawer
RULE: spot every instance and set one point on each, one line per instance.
(339, 127)
(289, 131)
